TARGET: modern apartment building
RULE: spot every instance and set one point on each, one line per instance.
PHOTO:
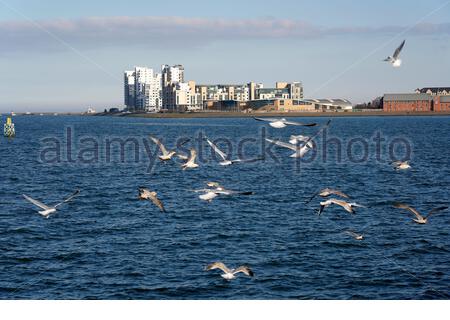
(142, 90)
(129, 90)
(221, 92)
(147, 91)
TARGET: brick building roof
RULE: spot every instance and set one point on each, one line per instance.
(407, 97)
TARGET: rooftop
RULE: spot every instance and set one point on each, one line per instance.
(407, 97)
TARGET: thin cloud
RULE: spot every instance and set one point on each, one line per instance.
(173, 32)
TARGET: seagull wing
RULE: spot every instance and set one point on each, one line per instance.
(356, 205)
(159, 144)
(435, 210)
(406, 207)
(218, 265)
(248, 160)
(182, 156)
(312, 197)
(73, 195)
(344, 204)
(157, 202)
(322, 207)
(244, 269)
(353, 234)
(293, 123)
(338, 193)
(341, 203)
(398, 50)
(300, 138)
(192, 157)
(37, 203)
(283, 144)
(217, 150)
(267, 119)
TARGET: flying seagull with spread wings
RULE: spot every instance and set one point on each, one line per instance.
(325, 193)
(302, 149)
(166, 155)
(300, 138)
(349, 207)
(280, 123)
(215, 190)
(395, 60)
(146, 194)
(47, 210)
(225, 161)
(190, 162)
(229, 274)
(419, 218)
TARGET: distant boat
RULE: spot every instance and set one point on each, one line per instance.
(91, 110)
(13, 114)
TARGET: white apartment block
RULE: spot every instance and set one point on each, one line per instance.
(147, 92)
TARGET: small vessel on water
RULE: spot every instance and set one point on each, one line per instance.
(8, 129)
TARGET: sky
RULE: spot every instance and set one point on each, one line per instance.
(67, 56)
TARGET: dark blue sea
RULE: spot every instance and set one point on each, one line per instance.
(106, 244)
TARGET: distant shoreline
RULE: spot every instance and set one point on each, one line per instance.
(249, 115)
(281, 114)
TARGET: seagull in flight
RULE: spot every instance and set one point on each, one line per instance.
(299, 139)
(280, 123)
(325, 193)
(349, 207)
(225, 161)
(190, 162)
(300, 150)
(229, 274)
(401, 165)
(419, 218)
(215, 190)
(166, 155)
(355, 235)
(47, 211)
(146, 194)
(394, 60)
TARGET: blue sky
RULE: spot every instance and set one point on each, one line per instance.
(61, 56)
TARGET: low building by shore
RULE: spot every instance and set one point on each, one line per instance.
(416, 102)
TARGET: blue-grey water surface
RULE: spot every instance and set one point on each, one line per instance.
(106, 244)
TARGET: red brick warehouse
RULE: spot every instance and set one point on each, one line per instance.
(407, 102)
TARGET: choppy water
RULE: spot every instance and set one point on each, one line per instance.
(107, 245)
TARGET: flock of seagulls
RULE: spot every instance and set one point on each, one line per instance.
(300, 144)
